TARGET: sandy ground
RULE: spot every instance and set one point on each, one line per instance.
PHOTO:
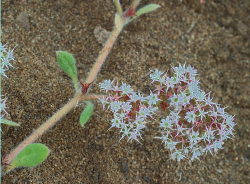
(213, 37)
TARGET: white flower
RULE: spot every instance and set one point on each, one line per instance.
(180, 130)
(170, 144)
(3, 107)
(174, 116)
(116, 88)
(107, 85)
(217, 145)
(156, 76)
(115, 106)
(193, 88)
(196, 153)
(144, 112)
(2, 72)
(177, 80)
(126, 106)
(208, 148)
(166, 123)
(169, 82)
(192, 72)
(152, 98)
(200, 96)
(125, 132)
(194, 137)
(208, 100)
(134, 135)
(229, 120)
(139, 123)
(126, 89)
(223, 133)
(134, 97)
(175, 100)
(104, 101)
(177, 155)
(210, 134)
(179, 70)
(120, 115)
(116, 122)
(184, 99)
(5, 59)
(220, 110)
(2, 47)
(190, 117)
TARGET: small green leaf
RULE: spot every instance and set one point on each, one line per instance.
(145, 9)
(68, 64)
(86, 113)
(8, 122)
(31, 156)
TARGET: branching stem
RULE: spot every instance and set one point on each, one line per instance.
(78, 98)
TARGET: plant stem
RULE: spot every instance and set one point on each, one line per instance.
(71, 104)
(103, 55)
(78, 98)
(109, 44)
(118, 8)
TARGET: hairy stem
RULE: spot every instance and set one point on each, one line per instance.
(78, 98)
(103, 55)
(118, 8)
(71, 104)
(110, 43)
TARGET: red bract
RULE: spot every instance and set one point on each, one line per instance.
(130, 12)
(85, 87)
(3, 162)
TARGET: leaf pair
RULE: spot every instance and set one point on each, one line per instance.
(67, 63)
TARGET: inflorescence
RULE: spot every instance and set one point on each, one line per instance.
(6, 57)
(131, 110)
(193, 125)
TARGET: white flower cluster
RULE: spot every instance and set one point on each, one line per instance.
(6, 57)
(194, 124)
(131, 110)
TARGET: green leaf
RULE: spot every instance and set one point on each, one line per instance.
(86, 113)
(145, 9)
(31, 156)
(68, 64)
(8, 122)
